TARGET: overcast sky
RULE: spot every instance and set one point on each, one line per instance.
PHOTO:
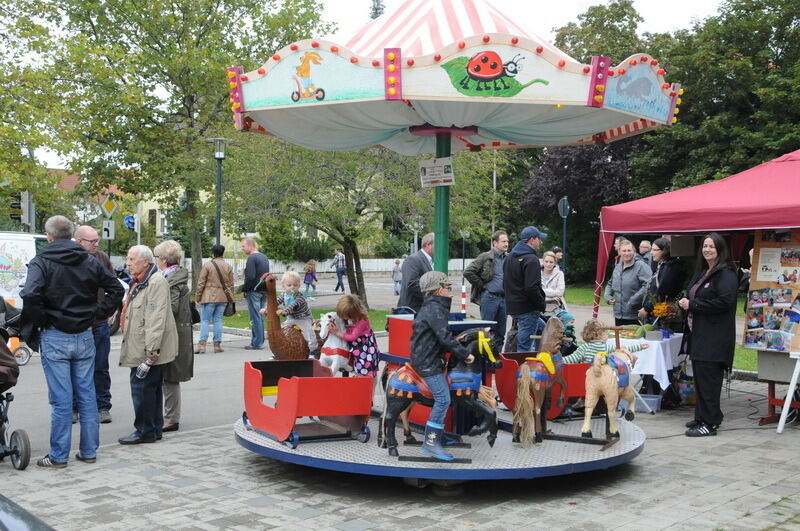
(540, 17)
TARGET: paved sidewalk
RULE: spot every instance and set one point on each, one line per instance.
(745, 478)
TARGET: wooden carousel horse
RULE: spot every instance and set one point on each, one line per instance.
(405, 387)
(535, 376)
(609, 377)
(286, 343)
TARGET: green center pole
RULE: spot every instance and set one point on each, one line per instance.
(441, 222)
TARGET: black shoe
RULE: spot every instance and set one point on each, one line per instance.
(251, 347)
(171, 427)
(79, 457)
(701, 430)
(692, 423)
(135, 438)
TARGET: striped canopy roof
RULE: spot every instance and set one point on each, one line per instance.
(422, 27)
(461, 65)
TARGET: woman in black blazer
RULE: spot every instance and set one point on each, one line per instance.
(667, 280)
(711, 326)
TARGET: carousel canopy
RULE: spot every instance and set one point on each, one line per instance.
(447, 64)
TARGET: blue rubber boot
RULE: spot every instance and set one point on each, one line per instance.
(432, 445)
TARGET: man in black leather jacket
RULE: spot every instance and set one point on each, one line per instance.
(430, 341)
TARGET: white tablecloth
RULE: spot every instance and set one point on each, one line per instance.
(658, 358)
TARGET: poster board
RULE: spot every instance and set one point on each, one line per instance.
(773, 299)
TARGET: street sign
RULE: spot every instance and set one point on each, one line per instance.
(108, 229)
(436, 172)
(109, 206)
(130, 222)
(563, 207)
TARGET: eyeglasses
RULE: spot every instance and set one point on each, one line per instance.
(96, 240)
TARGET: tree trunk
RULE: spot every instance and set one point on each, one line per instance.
(192, 197)
(355, 277)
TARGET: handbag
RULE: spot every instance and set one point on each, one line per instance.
(195, 313)
(230, 308)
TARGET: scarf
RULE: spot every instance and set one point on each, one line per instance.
(138, 284)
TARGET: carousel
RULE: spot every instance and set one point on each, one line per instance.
(439, 76)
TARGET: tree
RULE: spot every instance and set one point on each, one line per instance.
(740, 71)
(572, 171)
(602, 30)
(141, 85)
(347, 195)
(339, 193)
(376, 9)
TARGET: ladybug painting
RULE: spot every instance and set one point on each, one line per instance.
(487, 69)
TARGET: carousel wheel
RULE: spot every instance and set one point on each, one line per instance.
(20, 449)
(293, 440)
(364, 435)
(22, 355)
(295, 96)
(320, 94)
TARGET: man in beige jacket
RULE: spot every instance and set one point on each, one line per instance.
(150, 340)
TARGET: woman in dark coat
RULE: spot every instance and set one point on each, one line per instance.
(168, 255)
(711, 330)
(667, 280)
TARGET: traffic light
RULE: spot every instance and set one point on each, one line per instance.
(22, 203)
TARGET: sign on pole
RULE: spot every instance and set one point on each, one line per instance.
(109, 228)
(109, 206)
(436, 172)
(563, 207)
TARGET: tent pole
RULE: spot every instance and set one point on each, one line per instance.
(442, 210)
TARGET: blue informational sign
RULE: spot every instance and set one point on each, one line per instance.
(130, 222)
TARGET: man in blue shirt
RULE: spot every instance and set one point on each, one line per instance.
(257, 264)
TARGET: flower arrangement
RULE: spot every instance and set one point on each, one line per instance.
(666, 312)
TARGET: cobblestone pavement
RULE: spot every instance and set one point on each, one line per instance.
(745, 478)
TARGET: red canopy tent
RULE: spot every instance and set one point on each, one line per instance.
(764, 197)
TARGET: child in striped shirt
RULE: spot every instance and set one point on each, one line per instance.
(595, 335)
(294, 306)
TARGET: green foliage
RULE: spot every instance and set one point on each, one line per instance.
(602, 30)
(392, 247)
(740, 70)
(306, 249)
(131, 90)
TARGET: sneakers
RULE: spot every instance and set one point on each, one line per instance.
(46, 462)
(79, 457)
(701, 430)
(692, 423)
(251, 347)
(105, 416)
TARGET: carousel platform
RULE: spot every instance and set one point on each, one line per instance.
(506, 460)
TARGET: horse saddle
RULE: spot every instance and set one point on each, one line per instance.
(407, 380)
(622, 369)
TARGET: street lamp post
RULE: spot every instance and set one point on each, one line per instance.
(219, 154)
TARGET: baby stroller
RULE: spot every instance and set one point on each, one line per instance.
(14, 444)
(10, 321)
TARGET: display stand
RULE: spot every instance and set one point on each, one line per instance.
(788, 403)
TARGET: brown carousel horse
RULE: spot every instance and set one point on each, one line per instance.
(535, 376)
(405, 387)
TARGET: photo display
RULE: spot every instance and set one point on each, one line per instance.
(773, 302)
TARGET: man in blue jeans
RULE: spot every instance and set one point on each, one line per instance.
(430, 341)
(339, 263)
(257, 264)
(60, 299)
(88, 238)
(522, 284)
